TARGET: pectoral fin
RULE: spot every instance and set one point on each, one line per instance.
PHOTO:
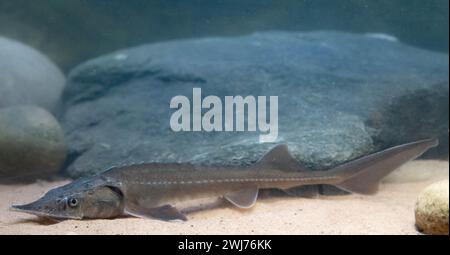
(244, 198)
(165, 212)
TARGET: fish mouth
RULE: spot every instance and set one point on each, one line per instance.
(28, 208)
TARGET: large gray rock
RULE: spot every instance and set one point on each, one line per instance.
(332, 89)
(31, 144)
(28, 77)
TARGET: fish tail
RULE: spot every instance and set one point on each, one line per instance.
(364, 174)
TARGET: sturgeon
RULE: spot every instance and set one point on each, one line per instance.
(156, 190)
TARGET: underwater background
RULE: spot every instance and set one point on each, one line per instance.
(86, 85)
(95, 79)
(71, 31)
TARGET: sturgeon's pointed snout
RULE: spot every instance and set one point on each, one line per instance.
(28, 208)
(19, 207)
(45, 208)
(40, 207)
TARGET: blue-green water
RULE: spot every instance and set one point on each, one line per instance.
(71, 31)
(351, 77)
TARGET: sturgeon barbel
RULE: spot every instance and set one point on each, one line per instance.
(156, 190)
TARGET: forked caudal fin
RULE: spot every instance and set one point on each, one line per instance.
(364, 174)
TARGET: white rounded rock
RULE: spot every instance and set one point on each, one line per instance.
(28, 77)
(432, 209)
(31, 144)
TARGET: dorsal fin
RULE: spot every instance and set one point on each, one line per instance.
(279, 158)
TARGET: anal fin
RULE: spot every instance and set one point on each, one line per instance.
(165, 212)
(243, 198)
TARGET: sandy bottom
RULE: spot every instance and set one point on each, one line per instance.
(390, 211)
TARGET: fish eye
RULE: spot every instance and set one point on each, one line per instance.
(72, 202)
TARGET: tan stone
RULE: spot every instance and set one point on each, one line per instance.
(432, 209)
